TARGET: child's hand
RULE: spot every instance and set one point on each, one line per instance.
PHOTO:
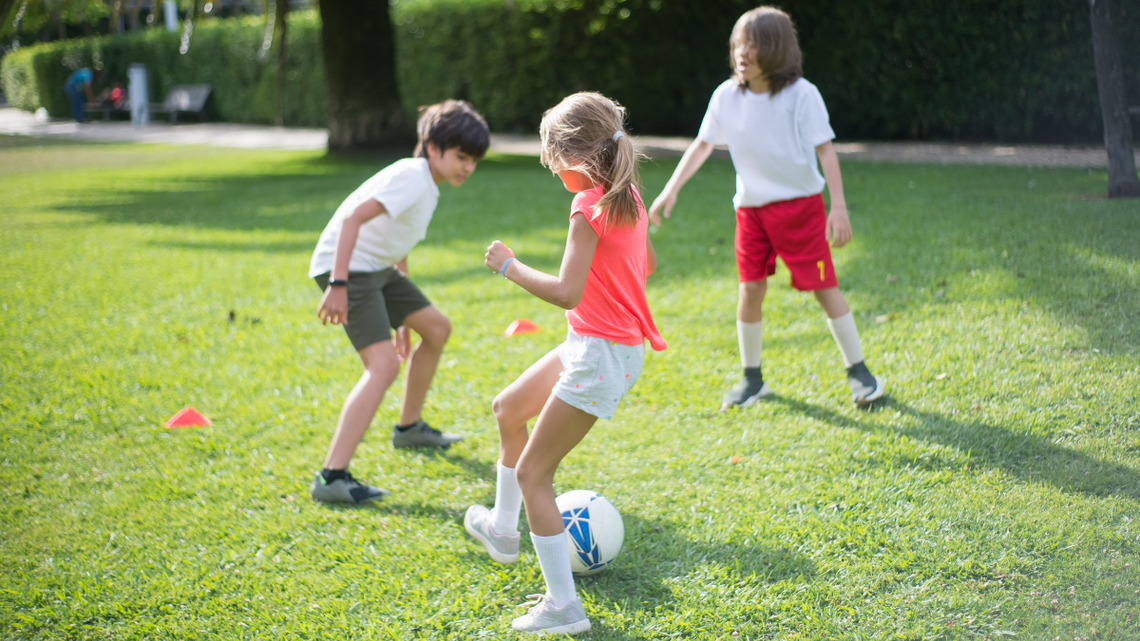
(838, 227)
(497, 254)
(667, 200)
(334, 306)
(403, 343)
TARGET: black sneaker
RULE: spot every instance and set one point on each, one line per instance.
(344, 490)
(750, 389)
(420, 434)
(865, 388)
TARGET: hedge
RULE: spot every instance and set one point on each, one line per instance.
(222, 53)
(1012, 70)
(1017, 70)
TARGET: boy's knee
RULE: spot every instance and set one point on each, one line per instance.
(753, 288)
(437, 332)
(384, 369)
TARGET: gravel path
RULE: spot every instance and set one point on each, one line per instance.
(15, 121)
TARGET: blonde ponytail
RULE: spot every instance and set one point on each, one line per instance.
(585, 133)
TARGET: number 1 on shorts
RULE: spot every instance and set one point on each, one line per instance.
(821, 264)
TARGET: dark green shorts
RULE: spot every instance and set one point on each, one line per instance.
(378, 302)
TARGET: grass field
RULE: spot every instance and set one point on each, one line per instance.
(994, 494)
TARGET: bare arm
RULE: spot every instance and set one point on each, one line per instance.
(650, 256)
(334, 304)
(565, 289)
(695, 156)
(838, 225)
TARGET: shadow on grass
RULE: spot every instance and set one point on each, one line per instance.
(1029, 457)
(656, 554)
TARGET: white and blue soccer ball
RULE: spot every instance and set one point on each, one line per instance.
(594, 528)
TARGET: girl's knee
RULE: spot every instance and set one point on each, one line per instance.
(753, 288)
(502, 408)
(529, 476)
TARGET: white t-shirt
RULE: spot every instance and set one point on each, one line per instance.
(409, 195)
(771, 139)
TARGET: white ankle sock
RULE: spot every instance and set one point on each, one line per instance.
(508, 501)
(554, 559)
(750, 337)
(846, 337)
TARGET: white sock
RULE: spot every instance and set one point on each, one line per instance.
(846, 337)
(554, 559)
(750, 336)
(508, 501)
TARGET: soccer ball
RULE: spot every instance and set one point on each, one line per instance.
(594, 528)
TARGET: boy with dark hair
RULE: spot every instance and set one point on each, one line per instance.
(361, 265)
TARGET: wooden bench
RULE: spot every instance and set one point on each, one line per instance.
(188, 98)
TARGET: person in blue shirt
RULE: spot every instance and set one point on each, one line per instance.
(78, 90)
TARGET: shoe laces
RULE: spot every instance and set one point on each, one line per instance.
(537, 601)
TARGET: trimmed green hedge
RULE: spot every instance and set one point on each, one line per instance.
(1018, 70)
(1015, 70)
(222, 53)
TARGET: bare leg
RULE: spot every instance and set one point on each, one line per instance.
(560, 427)
(434, 329)
(381, 366)
(832, 301)
(522, 401)
(748, 308)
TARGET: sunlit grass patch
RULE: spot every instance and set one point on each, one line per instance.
(993, 492)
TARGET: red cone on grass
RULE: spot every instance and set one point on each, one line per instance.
(188, 417)
(521, 326)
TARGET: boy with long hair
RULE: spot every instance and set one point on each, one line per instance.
(776, 125)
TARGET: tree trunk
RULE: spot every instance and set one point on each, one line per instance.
(282, 24)
(6, 7)
(1122, 180)
(360, 67)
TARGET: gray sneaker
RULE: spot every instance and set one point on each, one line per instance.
(344, 490)
(747, 391)
(420, 434)
(503, 548)
(865, 388)
(544, 618)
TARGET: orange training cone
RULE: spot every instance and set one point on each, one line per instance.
(188, 417)
(521, 326)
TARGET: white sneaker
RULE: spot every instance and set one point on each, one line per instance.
(503, 548)
(544, 618)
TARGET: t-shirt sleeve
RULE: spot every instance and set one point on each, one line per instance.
(812, 119)
(398, 191)
(584, 204)
(711, 131)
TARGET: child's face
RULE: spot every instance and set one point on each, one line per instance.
(747, 65)
(452, 166)
(575, 181)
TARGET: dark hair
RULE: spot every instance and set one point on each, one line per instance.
(452, 123)
(770, 38)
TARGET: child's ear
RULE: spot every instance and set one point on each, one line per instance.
(432, 151)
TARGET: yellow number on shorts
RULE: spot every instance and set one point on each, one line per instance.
(820, 263)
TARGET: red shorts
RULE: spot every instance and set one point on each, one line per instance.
(796, 231)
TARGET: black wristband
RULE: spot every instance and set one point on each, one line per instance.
(337, 283)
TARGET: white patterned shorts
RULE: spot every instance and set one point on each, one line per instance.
(597, 373)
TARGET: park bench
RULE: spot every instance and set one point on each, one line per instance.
(189, 98)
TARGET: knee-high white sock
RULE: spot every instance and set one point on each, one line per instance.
(847, 338)
(508, 501)
(554, 559)
(750, 337)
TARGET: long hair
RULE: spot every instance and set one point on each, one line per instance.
(578, 134)
(769, 35)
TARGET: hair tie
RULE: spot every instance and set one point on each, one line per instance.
(618, 135)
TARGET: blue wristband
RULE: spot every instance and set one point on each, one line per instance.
(503, 270)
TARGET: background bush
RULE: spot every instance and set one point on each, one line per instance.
(1018, 70)
(1004, 70)
(222, 53)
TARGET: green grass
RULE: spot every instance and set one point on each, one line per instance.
(994, 494)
